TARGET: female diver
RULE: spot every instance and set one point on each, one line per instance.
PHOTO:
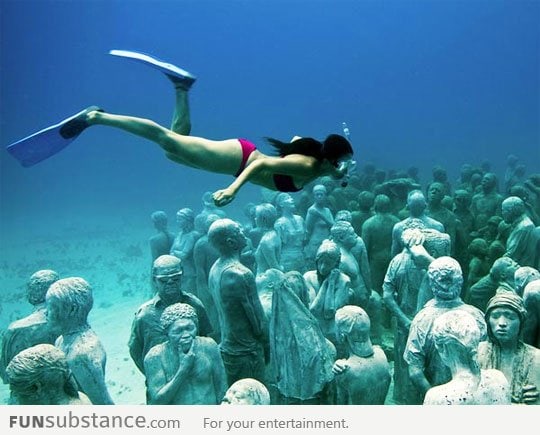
(298, 163)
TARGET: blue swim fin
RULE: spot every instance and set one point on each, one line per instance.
(49, 141)
(176, 74)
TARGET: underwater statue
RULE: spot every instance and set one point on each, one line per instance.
(487, 202)
(40, 375)
(301, 357)
(244, 331)
(319, 220)
(34, 328)
(268, 253)
(362, 378)
(146, 330)
(247, 391)
(456, 336)
(426, 369)
(504, 350)
(69, 302)
(186, 369)
(291, 230)
(160, 243)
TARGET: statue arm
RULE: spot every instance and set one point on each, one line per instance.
(161, 392)
(135, 345)
(389, 292)
(365, 271)
(88, 370)
(201, 276)
(219, 376)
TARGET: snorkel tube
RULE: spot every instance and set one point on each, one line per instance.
(346, 167)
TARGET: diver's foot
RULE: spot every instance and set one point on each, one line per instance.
(179, 77)
(79, 123)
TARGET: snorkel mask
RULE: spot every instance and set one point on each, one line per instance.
(346, 167)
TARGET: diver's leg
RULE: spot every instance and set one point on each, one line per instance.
(216, 156)
(181, 122)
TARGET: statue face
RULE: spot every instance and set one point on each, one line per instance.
(238, 395)
(287, 202)
(182, 333)
(504, 324)
(168, 282)
(325, 264)
(507, 212)
(319, 194)
(435, 193)
(57, 313)
(488, 182)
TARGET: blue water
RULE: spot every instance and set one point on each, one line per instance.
(419, 83)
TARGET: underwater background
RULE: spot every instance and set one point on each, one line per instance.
(419, 83)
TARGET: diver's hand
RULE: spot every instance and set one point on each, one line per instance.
(223, 197)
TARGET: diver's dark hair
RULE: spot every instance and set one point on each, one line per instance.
(333, 147)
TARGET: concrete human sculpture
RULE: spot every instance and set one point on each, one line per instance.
(69, 302)
(504, 350)
(244, 333)
(363, 378)
(186, 369)
(247, 391)
(146, 329)
(301, 357)
(456, 336)
(291, 230)
(425, 366)
(40, 375)
(34, 328)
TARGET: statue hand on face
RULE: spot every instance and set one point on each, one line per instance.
(340, 367)
(187, 359)
(530, 394)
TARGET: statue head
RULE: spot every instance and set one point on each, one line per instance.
(69, 301)
(38, 284)
(247, 391)
(416, 203)
(523, 276)
(366, 200)
(478, 248)
(39, 375)
(227, 236)
(159, 219)
(489, 182)
(456, 336)
(446, 278)
(265, 216)
(185, 218)
(381, 204)
(436, 193)
(319, 193)
(328, 257)
(503, 270)
(167, 274)
(181, 324)
(343, 215)
(342, 232)
(462, 199)
(439, 174)
(284, 201)
(505, 314)
(466, 172)
(353, 327)
(512, 209)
